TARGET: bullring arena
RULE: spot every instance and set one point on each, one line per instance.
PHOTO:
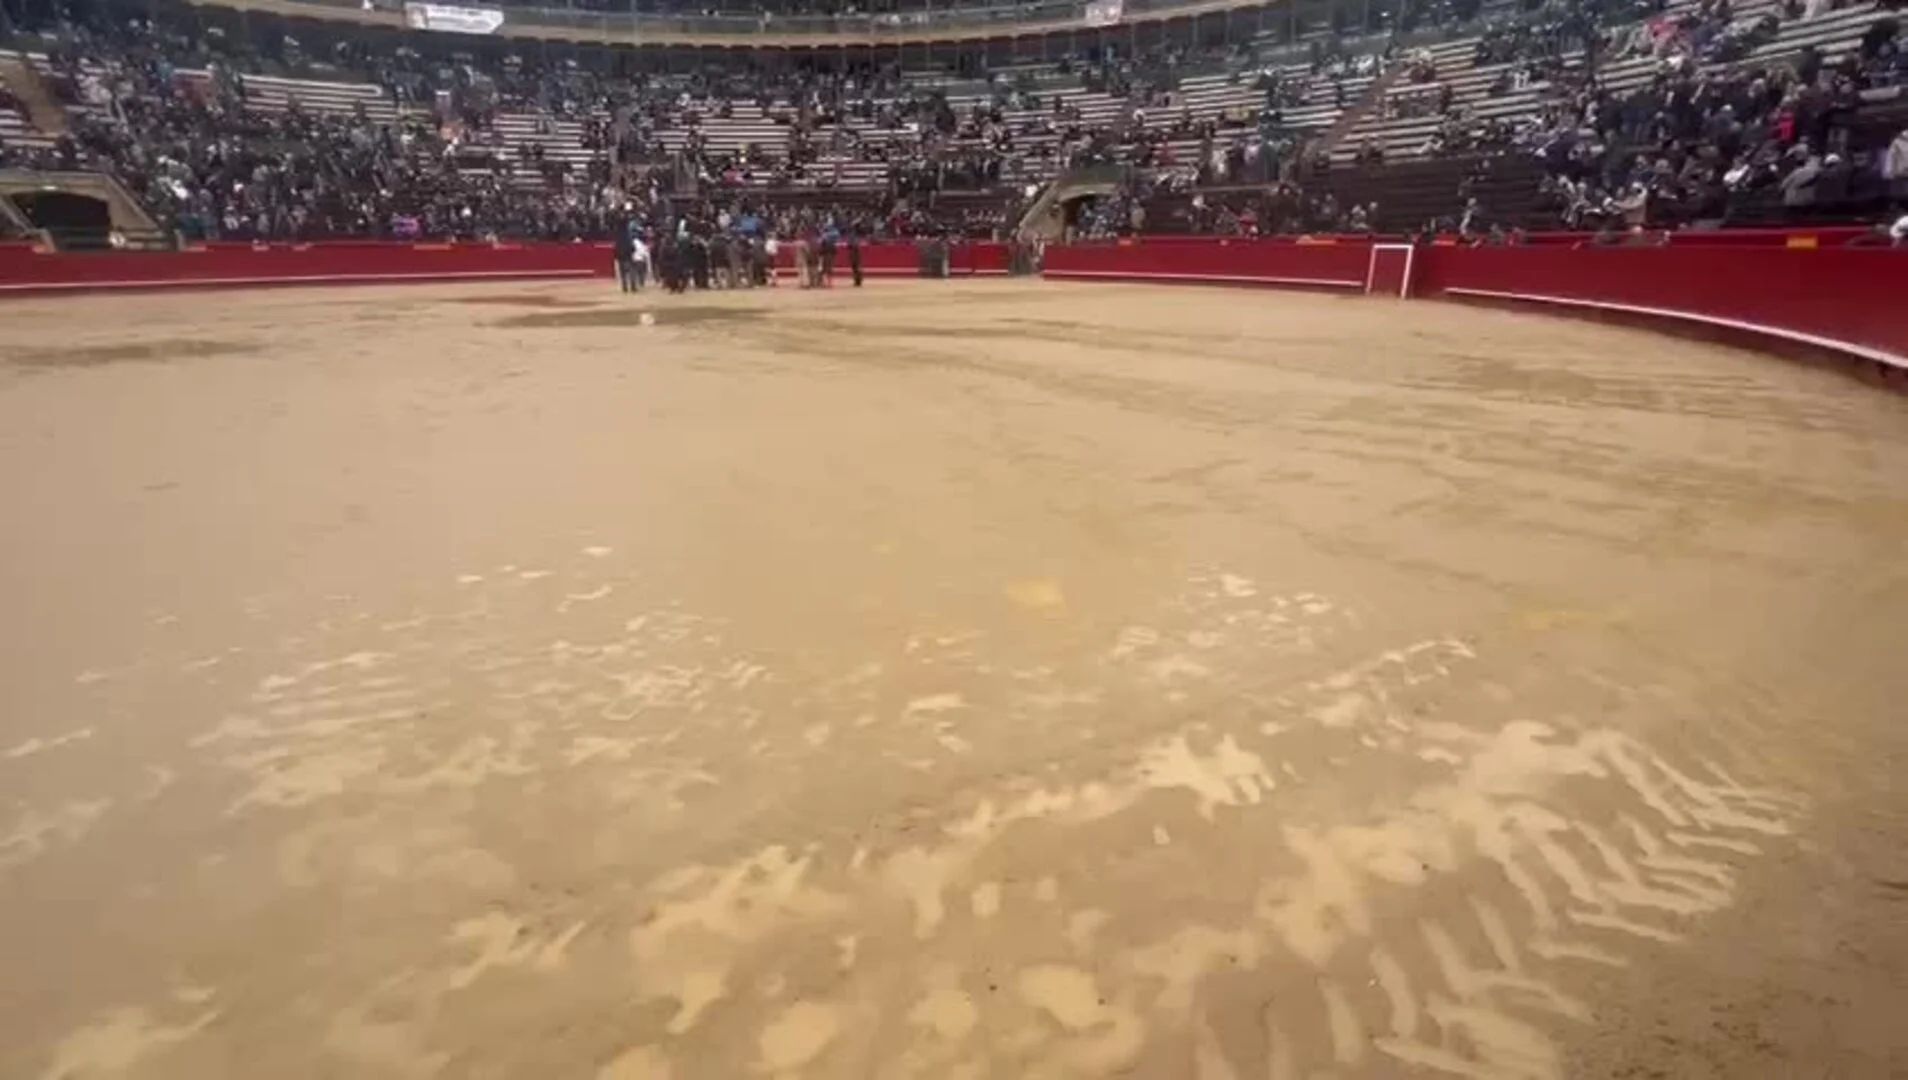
(975, 678)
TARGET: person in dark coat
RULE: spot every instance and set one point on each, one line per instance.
(625, 249)
(825, 254)
(719, 261)
(854, 255)
(675, 261)
(699, 260)
(664, 253)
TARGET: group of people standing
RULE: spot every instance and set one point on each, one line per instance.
(815, 257)
(684, 256)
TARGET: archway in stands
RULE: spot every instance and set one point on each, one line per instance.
(73, 219)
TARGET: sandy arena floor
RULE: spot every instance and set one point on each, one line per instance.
(941, 680)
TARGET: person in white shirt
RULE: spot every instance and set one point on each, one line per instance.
(639, 261)
(771, 246)
(1894, 167)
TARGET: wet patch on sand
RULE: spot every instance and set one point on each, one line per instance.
(1085, 335)
(672, 316)
(160, 351)
(528, 300)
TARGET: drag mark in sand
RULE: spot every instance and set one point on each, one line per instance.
(987, 929)
(35, 831)
(38, 744)
(1564, 848)
(117, 1042)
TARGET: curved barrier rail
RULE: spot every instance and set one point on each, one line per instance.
(1778, 288)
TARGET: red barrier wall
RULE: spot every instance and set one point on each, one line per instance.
(985, 258)
(1852, 300)
(1338, 265)
(23, 270)
(1841, 298)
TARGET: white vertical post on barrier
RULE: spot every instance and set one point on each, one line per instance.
(1404, 279)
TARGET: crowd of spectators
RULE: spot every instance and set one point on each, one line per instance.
(207, 165)
(1707, 135)
(1701, 134)
(209, 161)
